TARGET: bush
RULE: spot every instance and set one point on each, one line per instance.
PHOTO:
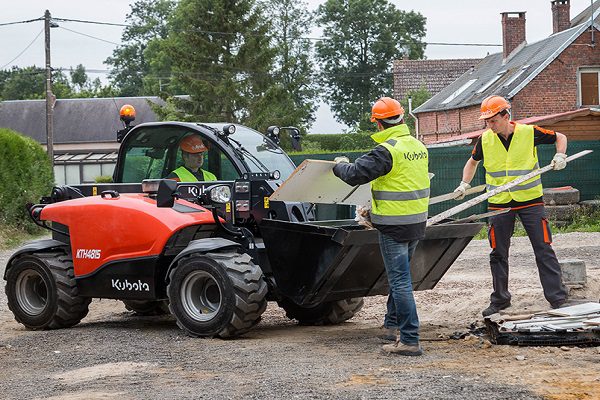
(103, 179)
(339, 142)
(25, 176)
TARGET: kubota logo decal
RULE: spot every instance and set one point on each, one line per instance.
(92, 254)
(125, 285)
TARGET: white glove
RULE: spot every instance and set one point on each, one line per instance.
(559, 161)
(341, 159)
(462, 188)
(363, 216)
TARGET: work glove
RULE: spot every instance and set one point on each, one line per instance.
(341, 159)
(363, 216)
(462, 188)
(559, 161)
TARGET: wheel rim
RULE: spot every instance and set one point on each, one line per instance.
(31, 292)
(201, 296)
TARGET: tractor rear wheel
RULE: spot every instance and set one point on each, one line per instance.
(216, 294)
(330, 313)
(42, 292)
(147, 307)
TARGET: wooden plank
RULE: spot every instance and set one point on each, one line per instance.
(476, 200)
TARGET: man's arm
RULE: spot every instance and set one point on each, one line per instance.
(561, 143)
(376, 163)
(469, 170)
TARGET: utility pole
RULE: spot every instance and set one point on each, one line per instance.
(49, 95)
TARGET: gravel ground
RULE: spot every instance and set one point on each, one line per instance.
(115, 354)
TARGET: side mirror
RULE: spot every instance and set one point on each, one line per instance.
(167, 191)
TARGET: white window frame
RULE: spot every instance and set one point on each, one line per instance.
(588, 70)
(515, 76)
(458, 91)
(492, 81)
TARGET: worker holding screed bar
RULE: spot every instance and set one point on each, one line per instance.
(508, 150)
(398, 171)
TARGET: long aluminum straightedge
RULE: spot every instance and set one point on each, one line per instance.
(482, 197)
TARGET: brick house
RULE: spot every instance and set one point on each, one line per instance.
(552, 76)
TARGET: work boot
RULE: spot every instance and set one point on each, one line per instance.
(403, 349)
(494, 308)
(388, 334)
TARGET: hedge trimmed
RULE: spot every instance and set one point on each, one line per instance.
(342, 141)
(25, 176)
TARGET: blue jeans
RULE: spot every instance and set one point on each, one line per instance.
(401, 308)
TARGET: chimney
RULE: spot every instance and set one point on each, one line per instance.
(561, 15)
(513, 31)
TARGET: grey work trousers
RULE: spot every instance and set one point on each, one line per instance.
(499, 233)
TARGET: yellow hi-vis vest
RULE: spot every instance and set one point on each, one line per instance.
(186, 176)
(401, 197)
(502, 166)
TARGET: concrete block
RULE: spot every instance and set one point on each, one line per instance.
(573, 272)
(561, 196)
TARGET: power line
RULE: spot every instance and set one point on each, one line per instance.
(316, 39)
(24, 50)
(90, 36)
(90, 22)
(22, 22)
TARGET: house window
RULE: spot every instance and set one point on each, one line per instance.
(458, 91)
(491, 81)
(588, 87)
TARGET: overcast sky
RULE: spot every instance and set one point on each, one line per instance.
(465, 21)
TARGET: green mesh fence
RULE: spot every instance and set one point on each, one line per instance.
(447, 164)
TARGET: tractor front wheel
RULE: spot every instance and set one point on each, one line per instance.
(329, 313)
(42, 292)
(216, 294)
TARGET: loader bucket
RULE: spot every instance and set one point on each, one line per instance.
(322, 261)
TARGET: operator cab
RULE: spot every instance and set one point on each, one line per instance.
(151, 151)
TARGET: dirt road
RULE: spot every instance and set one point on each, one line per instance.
(114, 354)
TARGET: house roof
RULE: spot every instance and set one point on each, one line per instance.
(543, 120)
(88, 120)
(494, 75)
(434, 75)
(585, 15)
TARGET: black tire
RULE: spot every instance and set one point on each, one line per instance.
(147, 307)
(42, 292)
(330, 313)
(216, 294)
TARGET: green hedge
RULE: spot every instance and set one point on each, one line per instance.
(25, 176)
(336, 142)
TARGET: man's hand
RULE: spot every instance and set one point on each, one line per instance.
(341, 159)
(462, 188)
(559, 161)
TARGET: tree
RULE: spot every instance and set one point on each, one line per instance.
(291, 98)
(364, 37)
(220, 51)
(418, 97)
(30, 83)
(147, 23)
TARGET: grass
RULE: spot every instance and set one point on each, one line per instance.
(11, 237)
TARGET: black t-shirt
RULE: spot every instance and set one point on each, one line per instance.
(540, 136)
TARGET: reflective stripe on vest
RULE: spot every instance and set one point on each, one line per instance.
(401, 196)
(186, 176)
(502, 166)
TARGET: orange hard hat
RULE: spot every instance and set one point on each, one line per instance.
(192, 144)
(492, 105)
(386, 107)
(127, 113)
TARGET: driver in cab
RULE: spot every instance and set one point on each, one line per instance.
(192, 152)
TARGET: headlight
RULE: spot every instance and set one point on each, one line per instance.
(150, 186)
(221, 194)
